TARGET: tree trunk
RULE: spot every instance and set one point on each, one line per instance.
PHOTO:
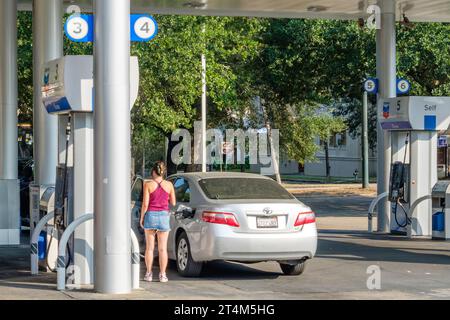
(273, 154)
(272, 149)
(143, 159)
(327, 161)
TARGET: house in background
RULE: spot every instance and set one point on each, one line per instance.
(345, 156)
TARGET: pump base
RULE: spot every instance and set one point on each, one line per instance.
(9, 237)
(9, 212)
(398, 233)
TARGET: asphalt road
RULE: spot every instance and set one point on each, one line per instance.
(417, 269)
(338, 206)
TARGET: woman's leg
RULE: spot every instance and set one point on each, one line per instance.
(150, 246)
(162, 251)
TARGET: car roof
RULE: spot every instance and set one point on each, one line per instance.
(206, 175)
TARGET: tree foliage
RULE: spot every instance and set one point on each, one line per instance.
(296, 66)
(25, 67)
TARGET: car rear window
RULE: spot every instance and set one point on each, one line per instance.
(243, 188)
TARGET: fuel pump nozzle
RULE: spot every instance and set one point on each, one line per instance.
(397, 187)
(60, 216)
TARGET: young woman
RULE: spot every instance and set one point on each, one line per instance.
(155, 218)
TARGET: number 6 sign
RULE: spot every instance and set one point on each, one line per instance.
(403, 86)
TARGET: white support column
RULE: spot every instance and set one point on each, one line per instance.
(47, 45)
(112, 156)
(387, 77)
(423, 175)
(83, 190)
(204, 107)
(204, 158)
(8, 90)
(9, 184)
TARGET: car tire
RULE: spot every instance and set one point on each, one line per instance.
(293, 269)
(186, 266)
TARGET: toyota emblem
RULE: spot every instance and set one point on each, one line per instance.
(267, 211)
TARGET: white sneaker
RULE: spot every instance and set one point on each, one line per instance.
(163, 278)
(148, 277)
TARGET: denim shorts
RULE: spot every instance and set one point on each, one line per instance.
(157, 220)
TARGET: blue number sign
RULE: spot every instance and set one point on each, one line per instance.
(371, 85)
(403, 86)
(80, 27)
(143, 27)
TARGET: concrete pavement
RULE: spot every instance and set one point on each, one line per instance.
(417, 269)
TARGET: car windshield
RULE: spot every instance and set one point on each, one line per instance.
(243, 188)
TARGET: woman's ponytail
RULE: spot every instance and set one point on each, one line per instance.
(159, 168)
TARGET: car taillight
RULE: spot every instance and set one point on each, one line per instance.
(305, 218)
(220, 218)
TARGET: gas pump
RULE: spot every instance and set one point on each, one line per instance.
(67, 91)
(440, 198)
(42, 202)
(414, 123)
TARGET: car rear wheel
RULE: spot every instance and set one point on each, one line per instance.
(293, 269)
(186, 266)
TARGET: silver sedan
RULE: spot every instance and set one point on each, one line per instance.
(236, 217)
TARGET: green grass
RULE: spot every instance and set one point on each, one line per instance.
(302, 178)
(319, 179)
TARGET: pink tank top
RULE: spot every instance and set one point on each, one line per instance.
(159, 200)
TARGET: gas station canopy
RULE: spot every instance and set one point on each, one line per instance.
(415, 10)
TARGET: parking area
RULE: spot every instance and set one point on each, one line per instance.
(417, 269)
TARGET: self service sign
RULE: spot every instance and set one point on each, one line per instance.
(80, 28)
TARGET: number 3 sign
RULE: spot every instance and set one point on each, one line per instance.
(80, 28)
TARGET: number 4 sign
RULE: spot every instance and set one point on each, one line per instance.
(80, 28)
(143, 27)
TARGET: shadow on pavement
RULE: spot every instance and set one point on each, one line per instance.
(332, 206)
(338, 244)
(217, 270)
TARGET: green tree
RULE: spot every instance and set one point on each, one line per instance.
(327, 126)
(170, 65)
(25, 67)
(423, 52)
(288, 76)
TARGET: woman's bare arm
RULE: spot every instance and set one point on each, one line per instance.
(172, 198)
(145, 198)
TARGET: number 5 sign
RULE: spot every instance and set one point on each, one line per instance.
(371, 85)
(80, 28)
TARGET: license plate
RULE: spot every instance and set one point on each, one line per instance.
(263, 222)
